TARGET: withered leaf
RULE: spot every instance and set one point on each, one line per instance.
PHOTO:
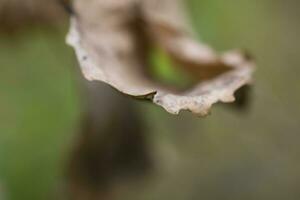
(113, 38)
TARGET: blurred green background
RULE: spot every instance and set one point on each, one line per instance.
(228, 155)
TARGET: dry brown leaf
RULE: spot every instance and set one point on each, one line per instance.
(113, 38)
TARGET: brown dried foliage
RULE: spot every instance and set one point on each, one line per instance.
(112, 40)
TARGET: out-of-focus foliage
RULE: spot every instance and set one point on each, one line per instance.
(164, 71)
(38, 109)
(228, 155)
(234, 155)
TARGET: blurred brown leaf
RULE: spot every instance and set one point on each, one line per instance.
(112, 40)
(18, 14)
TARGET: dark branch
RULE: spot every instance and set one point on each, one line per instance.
(67, 5)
